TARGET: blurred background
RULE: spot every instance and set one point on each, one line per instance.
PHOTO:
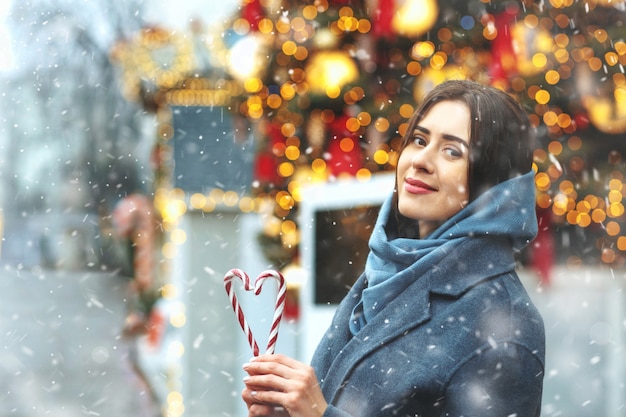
(149, 146)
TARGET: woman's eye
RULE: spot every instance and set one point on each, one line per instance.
(453, 152)
(419, 140)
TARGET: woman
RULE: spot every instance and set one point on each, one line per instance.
(439, 323)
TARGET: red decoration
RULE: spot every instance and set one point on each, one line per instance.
(156, 328)
(582, 120)
(543, 247)
(382, 18)
(253, 12)
(344, 151)
(504, 61)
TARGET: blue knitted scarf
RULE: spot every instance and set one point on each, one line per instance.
(505, 210)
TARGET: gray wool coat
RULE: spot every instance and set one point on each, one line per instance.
(463, 340)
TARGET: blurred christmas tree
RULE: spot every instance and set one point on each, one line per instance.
(337, 80)
(327, 86)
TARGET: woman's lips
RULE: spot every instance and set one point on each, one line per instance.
(414, 186)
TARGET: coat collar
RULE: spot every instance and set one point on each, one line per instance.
(475, 261)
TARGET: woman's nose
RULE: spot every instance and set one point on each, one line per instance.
(422, 159)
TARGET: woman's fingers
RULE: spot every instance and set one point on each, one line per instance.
(283, 381)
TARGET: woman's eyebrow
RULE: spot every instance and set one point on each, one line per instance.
(444, 136)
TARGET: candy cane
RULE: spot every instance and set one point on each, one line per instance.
(258, 284)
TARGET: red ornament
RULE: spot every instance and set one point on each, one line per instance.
(382, 18)
(253, 13)
(344, 151)
(265, 169)
(543, 247)
(582, 120)
(504, 61)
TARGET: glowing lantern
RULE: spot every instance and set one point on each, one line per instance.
(415, 17)
(607, 115)
(247, 57)
(328, 71)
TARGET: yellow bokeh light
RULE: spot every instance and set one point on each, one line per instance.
(615, 196)
(266, 26)
(333, 91)
(176, 349)
(364, 26)
(555, 148)
(289, 47)
(552, 77)
(288, 129)
(611, 58)
(178, 236)
(539, 60)
(608, 255)
(612, 228)
(292, 153)
(274, 101)
(382, 124)
(422, 50)
(288, 226)
(438, 60)
(490, 32)
(615, 185)
(564, 120)
(559, 206)
(253, 85)
(346, 144)
(601, 35)
(309, 12)
(178, 319)
(598, 215)
(197, 201)
(592, 200)
(169, 291)
(572, 217)
(169, 250)
(575, 143)
(353, 124)
(583, 219)
(286, 169)
(364, 118)
(285, 200)
(406, 110)
(615, 210)
(542, 181)
(363, 175)
(287, 91)
(621, 243)
(413, 68)
(381, 157)
(231, 198)
(544, 200)
(328, 71)
(247, 204)
(566, 187)
(318, 166)
(542, 96)
(595, 64)
(583, 206)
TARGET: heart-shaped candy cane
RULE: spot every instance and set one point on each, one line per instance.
(258, 284)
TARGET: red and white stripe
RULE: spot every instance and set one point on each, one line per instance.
(258, 284)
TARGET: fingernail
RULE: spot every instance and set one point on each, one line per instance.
(253, 393)
(246, 378)
(245, 366)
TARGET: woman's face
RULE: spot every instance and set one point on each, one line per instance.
(432, 171)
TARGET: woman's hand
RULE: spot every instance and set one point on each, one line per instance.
(277, 385)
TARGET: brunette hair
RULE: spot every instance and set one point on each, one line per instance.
(500, 135)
